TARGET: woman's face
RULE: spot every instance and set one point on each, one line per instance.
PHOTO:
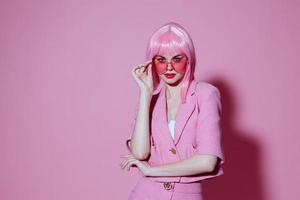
(170, 67)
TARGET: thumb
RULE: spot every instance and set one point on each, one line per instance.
(150, 70)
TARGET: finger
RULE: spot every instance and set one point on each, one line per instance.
(135, 76)
(134, 70)
(126, 162)
(125, 155)
(148, 63)
(143, 69)
(122, 163)
(150, 71)
(148, 68)
(137, 68)
(130, 164)
(145, 65)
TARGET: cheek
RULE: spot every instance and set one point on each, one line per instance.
(160, 69)
(181, 68)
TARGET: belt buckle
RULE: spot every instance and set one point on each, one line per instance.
(168, 185)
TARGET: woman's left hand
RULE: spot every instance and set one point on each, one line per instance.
(130, 161)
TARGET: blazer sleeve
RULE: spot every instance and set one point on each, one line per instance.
(208, 133)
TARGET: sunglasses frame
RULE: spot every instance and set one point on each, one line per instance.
(172, 62)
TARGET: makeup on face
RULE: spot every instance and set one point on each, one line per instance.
(169, 76)
(177, 62)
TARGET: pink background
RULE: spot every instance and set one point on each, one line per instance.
(67, 95)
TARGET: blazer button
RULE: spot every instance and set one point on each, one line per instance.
(168, 185)
(173, 150)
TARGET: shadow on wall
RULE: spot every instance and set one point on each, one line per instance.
(242, 178)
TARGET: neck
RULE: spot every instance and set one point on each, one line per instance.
(173, 91)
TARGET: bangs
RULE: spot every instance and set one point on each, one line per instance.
(170, 43)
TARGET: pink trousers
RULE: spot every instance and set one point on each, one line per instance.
(146, 189)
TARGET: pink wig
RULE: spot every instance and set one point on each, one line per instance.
(172, 37)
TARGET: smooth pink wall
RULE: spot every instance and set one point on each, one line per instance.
(67, 95)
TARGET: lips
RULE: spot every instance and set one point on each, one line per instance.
(169, 75)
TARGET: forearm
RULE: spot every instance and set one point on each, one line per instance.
(140, 141)
(193, 165)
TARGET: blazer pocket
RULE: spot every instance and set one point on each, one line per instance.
(190, 150)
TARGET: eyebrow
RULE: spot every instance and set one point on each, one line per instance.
(172, 57)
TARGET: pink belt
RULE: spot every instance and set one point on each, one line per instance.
(193, 187)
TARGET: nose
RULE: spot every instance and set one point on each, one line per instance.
(169, 66)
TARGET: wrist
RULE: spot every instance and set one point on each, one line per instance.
(151, 171)
(145, 96)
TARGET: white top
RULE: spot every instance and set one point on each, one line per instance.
(171, 125)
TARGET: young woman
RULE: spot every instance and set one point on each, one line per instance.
(175, 140)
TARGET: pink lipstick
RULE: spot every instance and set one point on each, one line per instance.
(169, 75)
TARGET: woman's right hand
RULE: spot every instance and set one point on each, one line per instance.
(143, 76)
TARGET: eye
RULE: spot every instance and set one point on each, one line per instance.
(161, 59)
(177, 59)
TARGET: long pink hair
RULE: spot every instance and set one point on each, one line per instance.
(168, 37)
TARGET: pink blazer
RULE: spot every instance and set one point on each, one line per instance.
(197, 130)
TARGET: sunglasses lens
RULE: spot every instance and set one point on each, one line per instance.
(161, 64)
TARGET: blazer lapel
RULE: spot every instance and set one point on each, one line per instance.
(183, 114)
(159, 115)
